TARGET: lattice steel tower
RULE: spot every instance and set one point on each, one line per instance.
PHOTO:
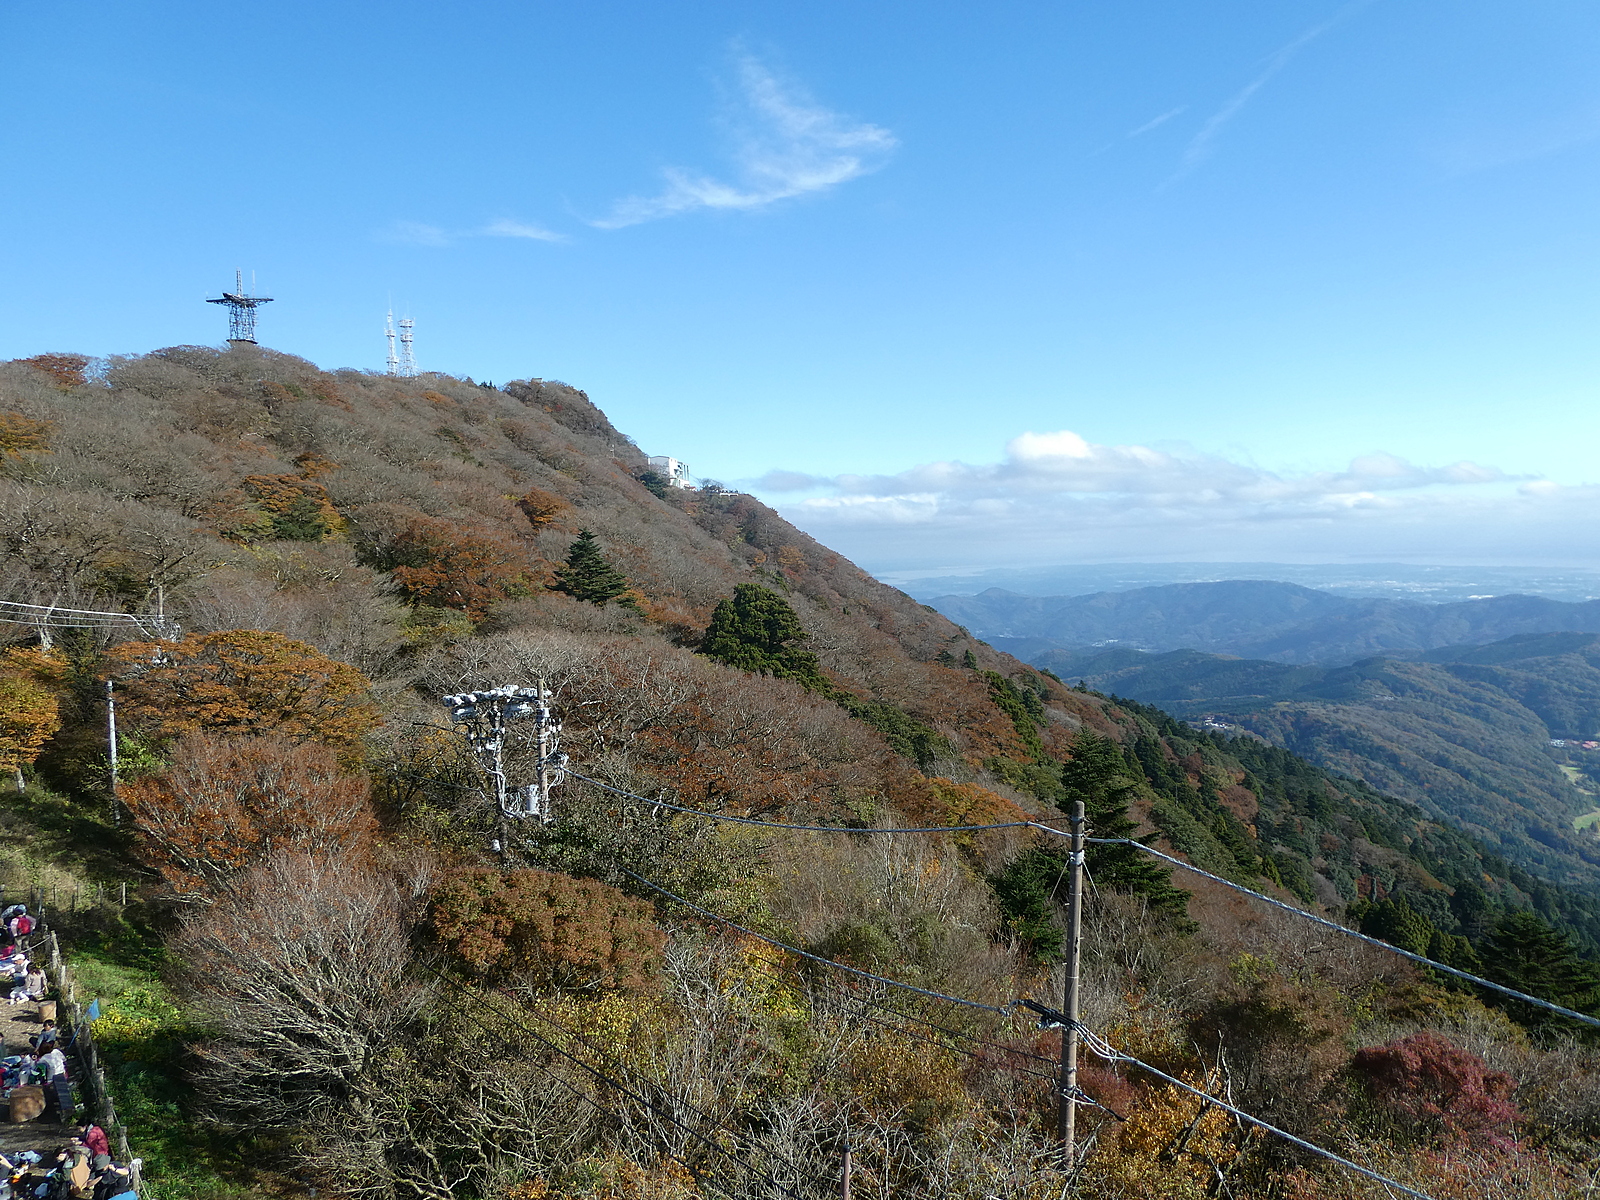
(241, 311)
(388, 332)
(408, 361)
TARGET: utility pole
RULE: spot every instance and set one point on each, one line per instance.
(1067, 1114)
(844, 1174)
(111, 738)
(482, 718)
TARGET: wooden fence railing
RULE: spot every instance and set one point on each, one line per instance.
(70, 1017)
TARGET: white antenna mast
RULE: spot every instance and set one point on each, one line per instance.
(388, 332)
(408, 361)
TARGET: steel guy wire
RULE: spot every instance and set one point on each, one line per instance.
(1110, 1053)
(605, 1079)
(816, 958)
(1352, 933)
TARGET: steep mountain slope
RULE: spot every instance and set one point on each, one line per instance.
(1465, 733)
(1281, 622)
(289, 813)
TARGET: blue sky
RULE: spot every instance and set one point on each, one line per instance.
(953, 285)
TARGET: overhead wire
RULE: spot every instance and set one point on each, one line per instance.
(1378, 943)
(806, 954)
(945, 1029)
(1096, 1044)
(865, 829)
(1099, 1046)
(1103, 1049)
(609, 1082)
(679, 1100)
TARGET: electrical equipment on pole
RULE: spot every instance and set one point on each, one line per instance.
(241, 311)
(388, 332)
(483, 717)
(408, 360)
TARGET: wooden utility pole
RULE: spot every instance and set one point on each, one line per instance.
(1067, 1112)
(844, 1173)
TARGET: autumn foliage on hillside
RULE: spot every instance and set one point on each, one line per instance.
(414, 998)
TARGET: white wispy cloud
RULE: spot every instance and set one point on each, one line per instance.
(505, 228)
(415, 233)
(418, 233)
(785, 145)
(1157, 122)
(1201, 145)
(1055, 496)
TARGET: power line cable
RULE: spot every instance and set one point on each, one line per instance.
(1378, 943)
(945, 1029)
(700, 812)
(679, 1100)
(1105, 1050)
(605, 1079)
(816, 958)
(1352, 933)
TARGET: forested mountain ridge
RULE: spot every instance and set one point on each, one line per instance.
(1465, 732)
(342, 549)
(1279, 622)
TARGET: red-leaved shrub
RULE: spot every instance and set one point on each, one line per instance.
(1446, 1093)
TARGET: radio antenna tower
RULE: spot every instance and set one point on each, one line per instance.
(408, 361)
(388, 332)
(241, 311)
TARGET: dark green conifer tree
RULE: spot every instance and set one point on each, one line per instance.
(588, 576)
(1098, 774)
(1525, 953)
(1396, 922)
(757, 631)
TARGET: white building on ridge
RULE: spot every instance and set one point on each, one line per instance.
(670, 469)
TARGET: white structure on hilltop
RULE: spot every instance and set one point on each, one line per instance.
(408, 360)
(670, 469)
(388, 331)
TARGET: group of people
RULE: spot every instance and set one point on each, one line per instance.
(27, 979)
(83, 1170)
(44, 1063)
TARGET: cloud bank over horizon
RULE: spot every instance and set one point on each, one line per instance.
(1055, 497)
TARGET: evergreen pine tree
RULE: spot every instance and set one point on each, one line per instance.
(757, 631)
(1098, 774)
(588, 576)
(1525, 953)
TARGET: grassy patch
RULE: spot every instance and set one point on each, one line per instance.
(143, 1032)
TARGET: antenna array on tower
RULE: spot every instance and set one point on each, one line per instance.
(241, 309)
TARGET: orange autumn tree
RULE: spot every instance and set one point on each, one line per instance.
(439, 563)
(66, 371)
(20, 434)
(546, 929)
(30, 712)
(227, 803)
(243, 682)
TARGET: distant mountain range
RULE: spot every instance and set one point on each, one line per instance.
(1463, 730)
(1396, 581)
(1263, 619)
